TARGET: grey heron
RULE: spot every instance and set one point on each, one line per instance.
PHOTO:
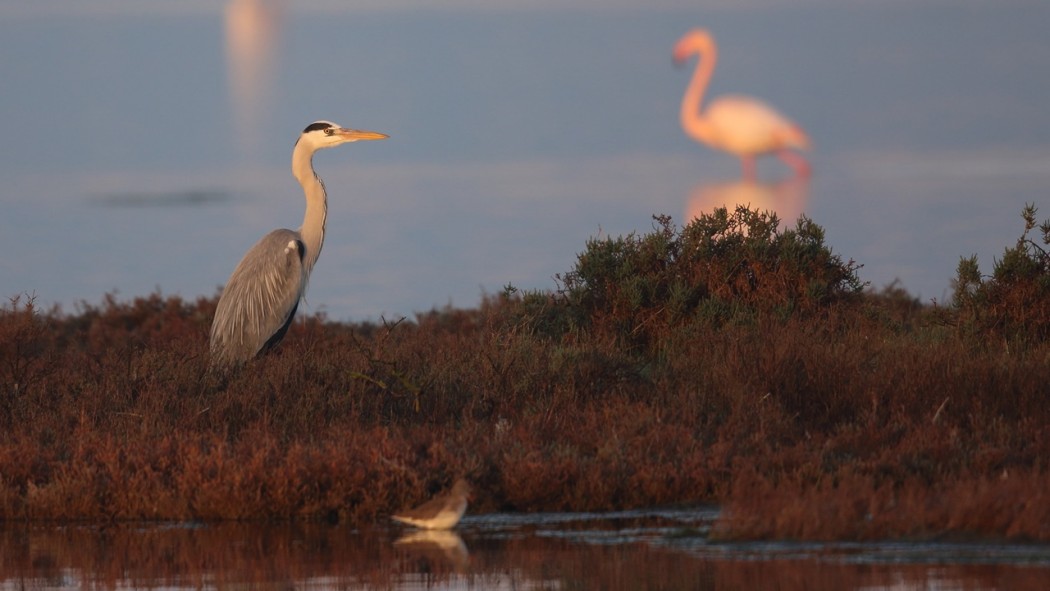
(260, 298)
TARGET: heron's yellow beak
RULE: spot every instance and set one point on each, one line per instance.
(353, 135)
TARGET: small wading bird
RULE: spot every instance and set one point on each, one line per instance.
(741, 125)
(442, 512)
(260, 299)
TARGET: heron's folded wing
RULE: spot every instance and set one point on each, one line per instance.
(260, 298)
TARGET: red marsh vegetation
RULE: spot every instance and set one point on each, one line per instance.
(726, 362)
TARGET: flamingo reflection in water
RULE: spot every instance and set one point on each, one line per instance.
(740, 125)
(787, 198)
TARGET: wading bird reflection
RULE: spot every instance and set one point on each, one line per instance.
(260, 299)
(437, 545)
(741, 125)
(787, 198)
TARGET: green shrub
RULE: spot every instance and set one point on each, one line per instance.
(722, 267)
(1014, 302)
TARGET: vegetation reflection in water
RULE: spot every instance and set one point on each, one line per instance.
(666, 549)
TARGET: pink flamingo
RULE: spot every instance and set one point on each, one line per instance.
(741, 125)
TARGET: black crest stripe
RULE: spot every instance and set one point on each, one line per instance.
(317, 126)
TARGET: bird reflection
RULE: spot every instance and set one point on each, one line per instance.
(740, 125)
(252, 32)
(437, 545)
(786, 197)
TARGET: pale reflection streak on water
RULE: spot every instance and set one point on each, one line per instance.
(252, 32)
(666, 549)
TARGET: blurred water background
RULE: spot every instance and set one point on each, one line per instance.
(146, 145)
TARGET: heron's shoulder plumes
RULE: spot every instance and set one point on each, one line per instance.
(260, 297)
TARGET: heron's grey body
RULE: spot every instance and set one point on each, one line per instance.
(260, 299)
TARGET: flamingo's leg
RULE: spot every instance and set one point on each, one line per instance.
(747, 163)
(796, 161)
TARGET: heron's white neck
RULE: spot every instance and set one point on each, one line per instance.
(312, 229)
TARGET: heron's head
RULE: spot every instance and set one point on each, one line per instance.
(325, 134)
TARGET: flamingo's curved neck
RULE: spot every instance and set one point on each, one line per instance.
(693, 121)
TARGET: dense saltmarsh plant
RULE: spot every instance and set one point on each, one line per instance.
(721, 267)
(1013, 303)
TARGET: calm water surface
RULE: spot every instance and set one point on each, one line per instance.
(666, 549)
(146, 144)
